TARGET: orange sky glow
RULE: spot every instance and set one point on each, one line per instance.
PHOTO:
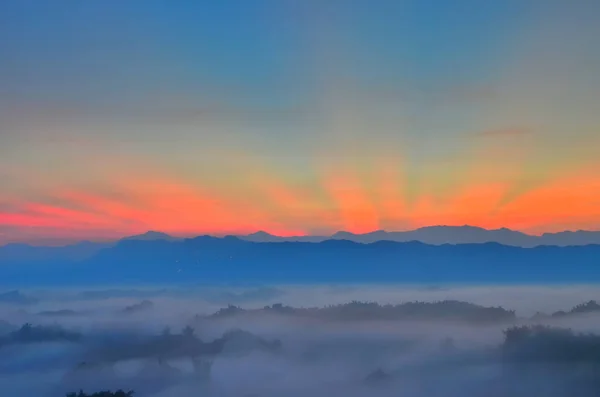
(300, 118)
(340, 201)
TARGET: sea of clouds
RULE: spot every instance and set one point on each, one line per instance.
(317, 357)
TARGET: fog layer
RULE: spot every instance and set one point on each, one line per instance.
(303, 340)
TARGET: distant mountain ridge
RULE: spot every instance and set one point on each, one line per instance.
(438, 235)
(160, 248)
(435, 235)
(150, 235)
(230, 259)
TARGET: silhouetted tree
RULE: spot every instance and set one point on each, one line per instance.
(40, 333)
(588, 307)
(188, 332)
(118, 393)
(356, 310)
(550, 344)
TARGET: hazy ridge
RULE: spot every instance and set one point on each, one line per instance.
(231, 259)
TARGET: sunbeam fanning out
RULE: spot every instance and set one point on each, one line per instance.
(298, 119)
(266, 198)
(345, 201)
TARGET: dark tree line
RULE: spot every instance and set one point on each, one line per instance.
(356, 310)
(39, 333)
(550, 344)
(118, 393)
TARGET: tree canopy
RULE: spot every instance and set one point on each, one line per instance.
(118, 393)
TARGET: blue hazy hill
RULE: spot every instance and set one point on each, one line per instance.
(231, 259)
(434, 235)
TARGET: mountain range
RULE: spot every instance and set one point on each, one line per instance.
(151, 259)
(434, 235)
(438, 235)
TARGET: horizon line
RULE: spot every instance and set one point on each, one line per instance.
(66, 242)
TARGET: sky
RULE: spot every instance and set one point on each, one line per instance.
(296, 117)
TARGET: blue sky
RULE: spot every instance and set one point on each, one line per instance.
(454, 94)
(89, 50)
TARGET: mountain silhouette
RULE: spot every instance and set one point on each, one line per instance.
(231, 259)
(579, 237)
(446, 235)
(150, 235)
(264, 237)
(435, 235)
(500, 249)
(438, 235)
